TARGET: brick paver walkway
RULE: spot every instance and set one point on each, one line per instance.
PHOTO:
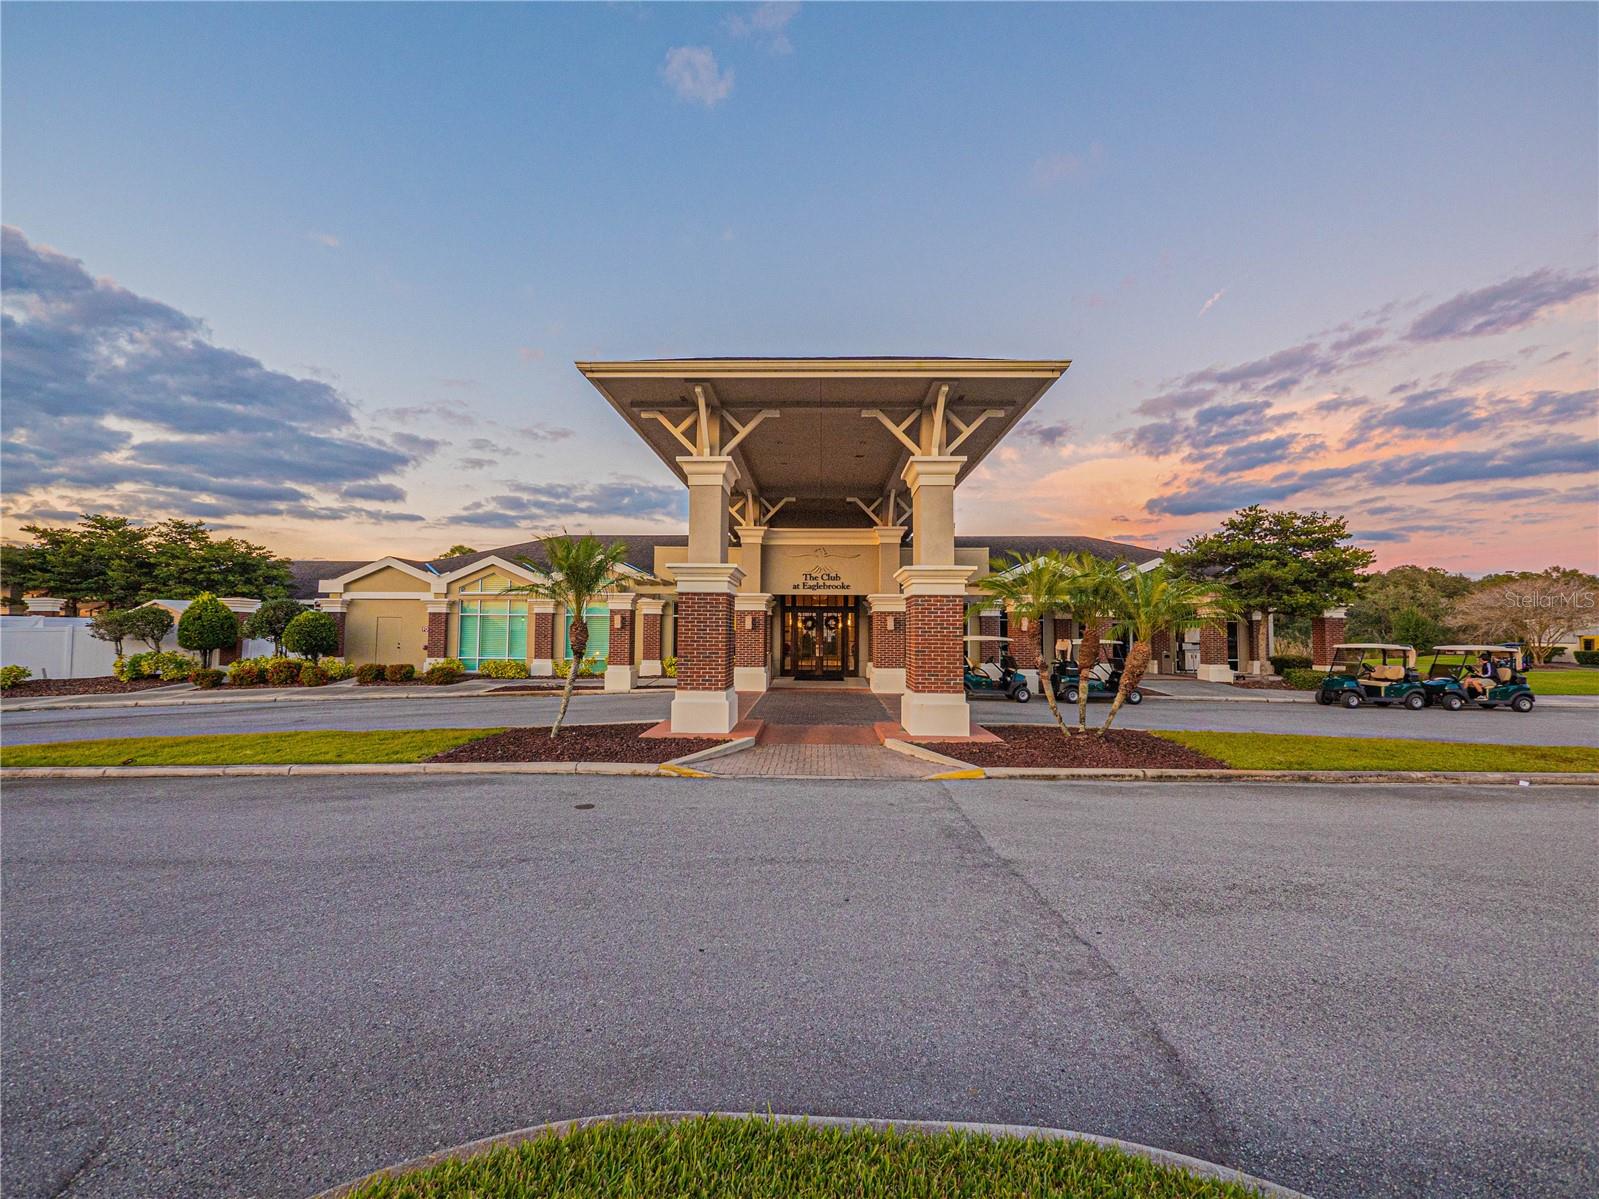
(820, 761)
(820, 707)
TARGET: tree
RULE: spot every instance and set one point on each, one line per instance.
(1150, 601)
(206, 626)
(1384, 597)
(150, 624)
(455, 551)
(1092, 594)
(268, 622)
(186, 561)
(577, 570)
(1291, 563)
(311, 635)
(111, 625)
(1033, 589)
(1538, 610)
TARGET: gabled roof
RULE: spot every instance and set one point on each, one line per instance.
(1032, 545)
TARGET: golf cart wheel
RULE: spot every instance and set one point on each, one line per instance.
(1522, 703)
(1021, 695)
(1453, 703)
(1351, 699)
(1415, 701)
(1071, 695)
(1135, 696)
(1323, 698)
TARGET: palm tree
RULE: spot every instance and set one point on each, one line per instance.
(1032, 589)
(576, 570)
(1152, 600)
(1092, 597)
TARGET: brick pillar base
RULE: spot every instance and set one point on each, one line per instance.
(620, 672)
(649, 616)
(705, 701)
(752, 632)
(1162, 653)
(1326, 631)
(1213, 666)
(338, 631)
(934, 704)
(888, 643)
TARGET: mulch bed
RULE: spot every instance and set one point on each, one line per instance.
(106, 685)
(1034, 745)
(577, 743)
(419, 681)
(552, 685)
(1263, 684)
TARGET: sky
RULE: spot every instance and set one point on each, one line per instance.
(317, 274)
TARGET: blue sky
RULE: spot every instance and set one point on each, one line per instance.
(414, 218)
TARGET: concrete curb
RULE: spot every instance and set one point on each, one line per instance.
(1164, 1157)
(911, 750)
(17, 774)
(1483, 777)
(195, 698)
(735, 746)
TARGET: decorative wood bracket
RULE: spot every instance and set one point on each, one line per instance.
(966, 430)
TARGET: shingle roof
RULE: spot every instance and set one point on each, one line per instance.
(1031, 545)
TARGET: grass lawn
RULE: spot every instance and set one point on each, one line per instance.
(246, 749)
(713, 1157)
(1292, 751)
(1582, 681)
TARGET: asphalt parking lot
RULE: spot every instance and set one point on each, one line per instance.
(252, 986)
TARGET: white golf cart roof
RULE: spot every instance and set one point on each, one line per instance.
(1476, 649)
(1373, 645)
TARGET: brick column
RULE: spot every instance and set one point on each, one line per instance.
(1162, 653)
(1213, 666)
(935, 660)
(338, 609)
(988, 626)
(541, 643)
(888, 643)
(752, 639)
(621, 674)
(1326, 631)
(649, 618)
(438, 644)
(706, 701)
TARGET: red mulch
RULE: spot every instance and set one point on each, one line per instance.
(552, 685)
(1263, 684)
(105, 685)
(419, 681)
(1042, 745)
(577, 743)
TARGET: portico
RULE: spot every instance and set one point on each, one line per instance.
(821, 540)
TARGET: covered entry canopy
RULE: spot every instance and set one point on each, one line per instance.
(816, 431)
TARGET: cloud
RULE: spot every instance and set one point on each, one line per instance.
(455, 412)
(382, 493)
(1062, 167)
(485, 446)
(767, 24)
(1050, 436)
(1501, 307)
(1211, 303)
(111, 391)
(1436, 412)
(542, 432)
(1559, 407)
(544, 505)
(475, 463)
(416, 446)
(324, 239)
(692, 73)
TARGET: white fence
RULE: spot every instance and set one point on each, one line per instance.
(59, 647)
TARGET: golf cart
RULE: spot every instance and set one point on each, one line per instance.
(1104, 677)
(1486, 675)
(1003, 681)
(1373, 673)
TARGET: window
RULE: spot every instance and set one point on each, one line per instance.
(490, 628)
(598, 619)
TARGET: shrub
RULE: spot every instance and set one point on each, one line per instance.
(452, 663)
(399, 672)
(312, 675)
(132, 667)
(312, 634)
(167, 665)
(10, 676)
(111, 625)
(149, 624)
(338, 669)
(1303, 678)
(1557, 651)
(497, 668)
(669, 667)
(1587, 657)
(1283, 663)
(441, 674)
(246, 672)
(206, 679)
(206, 626)
(283, 672)
(591, 667)
(368, 673)
(268, 622)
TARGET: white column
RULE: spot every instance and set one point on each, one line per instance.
(710, 480)
(931, 479)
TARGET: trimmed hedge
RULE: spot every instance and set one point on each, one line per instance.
(206, 679)
(1302, 678)
(1587, 657)
(502, 668)
(312, 675)
(1283, 663)
(399, 672)
(441, 674)
(368, 673)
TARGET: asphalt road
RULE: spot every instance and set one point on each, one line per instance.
(1543, 726)
(263, 987)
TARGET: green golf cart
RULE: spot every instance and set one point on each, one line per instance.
(1373, 673)
(1485, 675)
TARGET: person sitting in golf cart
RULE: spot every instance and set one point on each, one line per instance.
(1484, 675)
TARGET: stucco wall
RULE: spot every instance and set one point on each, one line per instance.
(361, 631)
(387, 579)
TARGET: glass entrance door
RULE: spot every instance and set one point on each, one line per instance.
(819, 636)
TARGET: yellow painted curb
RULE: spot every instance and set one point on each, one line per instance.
(686, 772)
(976, 772)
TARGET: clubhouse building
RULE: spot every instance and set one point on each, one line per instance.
(821, 545)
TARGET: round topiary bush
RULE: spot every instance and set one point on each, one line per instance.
(312, 635)
(206, 626)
